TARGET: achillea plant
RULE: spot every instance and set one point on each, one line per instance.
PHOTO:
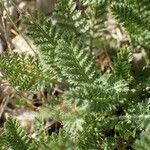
(97, 111)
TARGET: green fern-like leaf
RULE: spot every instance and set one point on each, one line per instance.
(135, 18)
(61, 142)
(75, 62)
(3, 143)
(44, 34)
(96, 13)
(126, 13)
(122, 64)
(68, 17)
(99, 97)
(87, 21)
(22, 72)
(15, 136)
(144, 142)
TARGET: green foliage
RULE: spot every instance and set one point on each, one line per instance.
(75, 63)
(21, 71)
(87, 21)
(43, 34)
(122, 65)
(143, 142)
(15, 137)
(135, 18)
(68, 18)
(96, 111)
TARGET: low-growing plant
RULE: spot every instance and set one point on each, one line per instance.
(97, 111)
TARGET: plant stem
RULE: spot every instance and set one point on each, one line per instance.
(14, 25)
